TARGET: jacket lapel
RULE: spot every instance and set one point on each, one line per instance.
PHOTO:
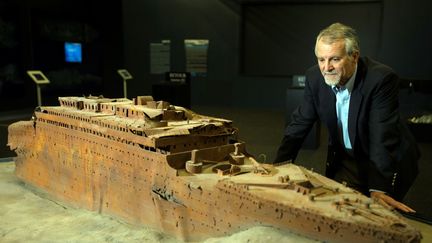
(329, 110)
(355, 103)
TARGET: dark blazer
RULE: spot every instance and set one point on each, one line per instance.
(382, 145)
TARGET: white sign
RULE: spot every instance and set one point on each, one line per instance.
(196, 56)
(160, 57)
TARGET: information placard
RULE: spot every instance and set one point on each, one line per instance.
(38, 77)
(124, 74)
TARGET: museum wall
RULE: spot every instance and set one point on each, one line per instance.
(33, 35)
(118, 35)
(403, 42)
(218, 21)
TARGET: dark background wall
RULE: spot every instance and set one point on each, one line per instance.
(255, 46)
(32, 36)
(402, 41)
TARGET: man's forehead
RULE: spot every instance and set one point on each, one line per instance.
(335, 48)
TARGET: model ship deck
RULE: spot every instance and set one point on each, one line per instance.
(185, 174)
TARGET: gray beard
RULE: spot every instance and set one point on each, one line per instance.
(332, 81)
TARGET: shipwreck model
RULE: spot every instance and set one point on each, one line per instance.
(185, 174)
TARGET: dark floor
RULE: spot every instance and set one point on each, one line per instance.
(262, 131)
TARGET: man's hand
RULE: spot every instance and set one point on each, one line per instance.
(389, 202)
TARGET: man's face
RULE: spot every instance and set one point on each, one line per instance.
(335, 64)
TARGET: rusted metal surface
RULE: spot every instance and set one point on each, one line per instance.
(152, 163)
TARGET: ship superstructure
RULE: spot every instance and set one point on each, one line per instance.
(149, 162)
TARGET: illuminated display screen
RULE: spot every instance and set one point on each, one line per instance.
(73, 52)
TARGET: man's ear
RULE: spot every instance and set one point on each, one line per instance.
(356, 55)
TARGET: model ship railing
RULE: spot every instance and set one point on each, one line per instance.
(155, 126)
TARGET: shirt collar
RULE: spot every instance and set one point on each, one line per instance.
(349, 84)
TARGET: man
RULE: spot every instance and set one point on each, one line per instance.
(356, 98)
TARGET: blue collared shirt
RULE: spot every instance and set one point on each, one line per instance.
(343, 96)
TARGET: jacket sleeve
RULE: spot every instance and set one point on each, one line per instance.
(301, 123)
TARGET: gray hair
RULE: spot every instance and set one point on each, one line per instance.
(338, 31)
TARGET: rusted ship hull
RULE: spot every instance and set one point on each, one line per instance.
(104, 182)
(152, 188)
